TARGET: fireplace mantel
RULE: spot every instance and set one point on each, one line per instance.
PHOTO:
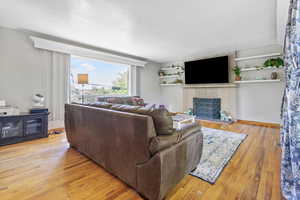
(225, 85)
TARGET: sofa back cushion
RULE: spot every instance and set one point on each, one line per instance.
(127, 100)
(161, 117)
(101, 105)
(162, 120)
(125, 108)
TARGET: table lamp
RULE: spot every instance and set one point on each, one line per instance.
(83, 79)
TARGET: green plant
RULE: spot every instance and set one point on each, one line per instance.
(237, 71)
(178, 81)
(161, 73)
(274, 62)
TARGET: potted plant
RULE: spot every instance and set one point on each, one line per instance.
(274, 62)
(161, 73)
(237, 72)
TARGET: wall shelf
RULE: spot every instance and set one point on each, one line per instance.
(258, 81)
(259, 69)
(226, 85)
(257, 57)
(169, 76)
(171, 84)
(171, 68)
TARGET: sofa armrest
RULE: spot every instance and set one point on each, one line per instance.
(188, 129)
(165, 169)
(162, 142)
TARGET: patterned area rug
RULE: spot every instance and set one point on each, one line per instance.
(218, 148)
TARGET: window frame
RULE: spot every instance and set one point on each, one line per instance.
(132, 82)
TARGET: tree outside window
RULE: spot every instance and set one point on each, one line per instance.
(105, 79)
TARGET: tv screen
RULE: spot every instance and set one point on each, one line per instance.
(213, 70)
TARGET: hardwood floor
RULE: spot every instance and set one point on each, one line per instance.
(48, 169)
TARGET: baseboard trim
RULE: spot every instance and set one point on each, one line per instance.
(265, 124)
(213, 121)
(53, 130)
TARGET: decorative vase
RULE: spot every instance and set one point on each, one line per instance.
(38, 100)
(238, 78)
(274, 75)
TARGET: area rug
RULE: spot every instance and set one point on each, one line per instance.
(218, 148)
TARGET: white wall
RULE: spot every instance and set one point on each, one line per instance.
(282, 16)
(254, 102)
(172, 98)
(149, 83)
(22, 69)
(260, 102)
(23, 72)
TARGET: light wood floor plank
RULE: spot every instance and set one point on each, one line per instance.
(48, 169)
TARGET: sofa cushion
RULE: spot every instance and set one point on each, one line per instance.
(125, 108)
(114, 100)
(121, 100)
(101, 105)
(128, 100)
(187, 129)
(136, 101)
(162, 142)
(162, 120)
(161, 117)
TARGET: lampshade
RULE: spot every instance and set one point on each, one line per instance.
(83, 78)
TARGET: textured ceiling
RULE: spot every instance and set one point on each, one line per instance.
(160, 30)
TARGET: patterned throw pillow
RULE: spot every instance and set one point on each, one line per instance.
(138, 101)
(125, 108)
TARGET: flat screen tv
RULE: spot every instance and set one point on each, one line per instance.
(212, 70)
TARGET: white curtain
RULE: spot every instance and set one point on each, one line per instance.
(134, 81)
(58, 76)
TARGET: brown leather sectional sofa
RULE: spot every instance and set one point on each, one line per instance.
(136, 144)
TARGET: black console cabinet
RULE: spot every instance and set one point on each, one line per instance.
(23, 127)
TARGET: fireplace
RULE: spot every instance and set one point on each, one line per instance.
(207, 108)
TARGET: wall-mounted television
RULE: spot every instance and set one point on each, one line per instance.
(212, 70)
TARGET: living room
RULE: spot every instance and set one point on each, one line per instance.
(149, 100)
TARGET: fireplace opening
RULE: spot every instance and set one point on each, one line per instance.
(207, 108)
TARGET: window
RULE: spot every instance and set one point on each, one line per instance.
(104, 79)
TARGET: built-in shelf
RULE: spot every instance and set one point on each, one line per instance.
(171, 84)
(169, 76)
(226, 85)
(259, 69)
(258, 81)
(171, 68)
(257, 57)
